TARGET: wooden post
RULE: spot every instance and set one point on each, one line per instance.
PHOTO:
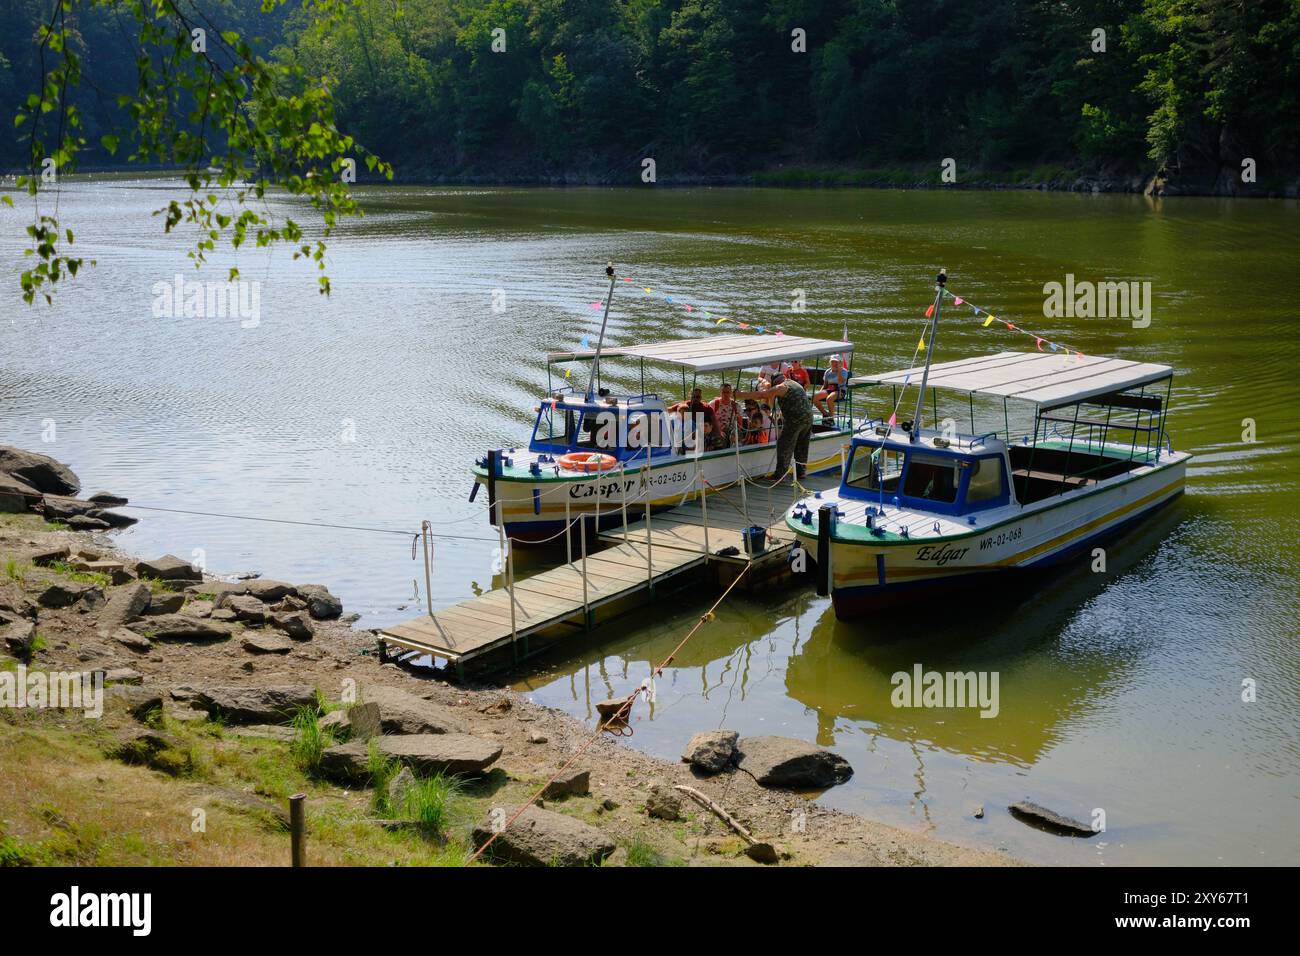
(492, 458)
(586, 610)
(426, 536)
(649, 561)
(568, 530)
(622, 477)
(510, 584)
(704, 504)
(298, 828)
(825, 515)
(740, 471)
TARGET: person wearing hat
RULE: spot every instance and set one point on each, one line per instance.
(797, 421)
(835, 382)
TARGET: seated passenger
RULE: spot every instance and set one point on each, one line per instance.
(834, 387)
(797, 372)
(757, 433)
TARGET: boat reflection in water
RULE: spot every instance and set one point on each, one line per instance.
(1022, 630)
(773, 665)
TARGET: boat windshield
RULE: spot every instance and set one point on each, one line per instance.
(872, 467)
(932, 478)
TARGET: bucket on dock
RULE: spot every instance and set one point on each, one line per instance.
(755, 540)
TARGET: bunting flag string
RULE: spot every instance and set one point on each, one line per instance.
(1039, 340)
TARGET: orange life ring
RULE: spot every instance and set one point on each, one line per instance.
(587, 461)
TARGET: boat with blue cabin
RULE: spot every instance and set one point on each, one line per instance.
(1083, 453)
(594, 454)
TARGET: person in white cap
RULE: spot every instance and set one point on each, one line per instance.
(835, 384)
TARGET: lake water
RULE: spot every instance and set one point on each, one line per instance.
(1120, 691)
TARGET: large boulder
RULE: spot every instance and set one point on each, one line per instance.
(321, 605)
(40, 471)
(68, 593)
(125, 604)
(139, 702)
(403, 713)
(266, 590)
(1044, 819)
(296, 624)
(358, 722)
(792, 764)
(711, 751)
(60, 508)
(545, 838)
(254, 705)
(180, 627)
(244, 607)
(426, 754)
(16, 496)
(19, 637)
(663, 802)
(13, 602)
(266, 644)
(169, 568)
(166, 602)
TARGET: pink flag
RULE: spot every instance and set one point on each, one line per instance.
(1038, 343)
(893, 419)
(958, 300)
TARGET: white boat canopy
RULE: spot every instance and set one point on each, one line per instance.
(1049, 379)
(718, 352)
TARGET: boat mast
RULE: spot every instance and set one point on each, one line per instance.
(595, 362)
(939, 281)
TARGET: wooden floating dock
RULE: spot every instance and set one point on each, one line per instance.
(625, 572)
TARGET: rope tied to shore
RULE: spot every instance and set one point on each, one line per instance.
(619, 718)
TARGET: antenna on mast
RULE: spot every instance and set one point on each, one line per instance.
(600, 342)
(939, 282)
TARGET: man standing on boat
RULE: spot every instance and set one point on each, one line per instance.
(797, 421)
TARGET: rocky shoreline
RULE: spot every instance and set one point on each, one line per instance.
(201, 672)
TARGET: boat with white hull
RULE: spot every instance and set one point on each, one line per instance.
(594, 455)
(918, 507)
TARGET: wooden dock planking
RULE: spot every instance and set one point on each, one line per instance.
(471, 628)
(482, 624)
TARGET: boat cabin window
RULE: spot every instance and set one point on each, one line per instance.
(870, 467)
(985, 480)
(932, 478)
(554, 425)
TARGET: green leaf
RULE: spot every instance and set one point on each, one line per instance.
(109, 142)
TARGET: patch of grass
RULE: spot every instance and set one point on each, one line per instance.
(309, 740)
(64, 803)
(641, 853)
(159, 586)
(382, 770)
(431, 802)
(83, 577)
(17, 571)
(14, 852)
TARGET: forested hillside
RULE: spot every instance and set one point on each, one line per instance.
(589, 88)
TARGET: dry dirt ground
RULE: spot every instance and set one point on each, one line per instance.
(64, 799)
